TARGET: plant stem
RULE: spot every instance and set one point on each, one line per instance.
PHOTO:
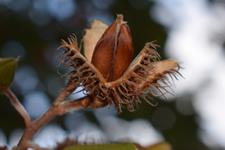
(34, 127)
(18, 106)
(56, 109)
(59, 107)
(71, 86)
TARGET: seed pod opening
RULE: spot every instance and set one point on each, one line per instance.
(114, 51)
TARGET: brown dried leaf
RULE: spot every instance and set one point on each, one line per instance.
(92, 36)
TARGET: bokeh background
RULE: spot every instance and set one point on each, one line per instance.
(190, 31)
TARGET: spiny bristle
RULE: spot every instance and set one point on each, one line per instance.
(71, 44)
(135, 86)
(151, 47)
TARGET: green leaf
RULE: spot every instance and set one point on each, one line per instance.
(122, 146)
(159, 146)
(7, 71)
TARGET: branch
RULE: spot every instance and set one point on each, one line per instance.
(77, 104)
(71, 86)
(18, 106)
(84, 102)
(55, 110)
(59, 107)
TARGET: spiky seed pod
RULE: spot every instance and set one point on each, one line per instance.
(106, 82)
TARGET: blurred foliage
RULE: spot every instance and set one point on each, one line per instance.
(120, 146)
(7, 71)
(103, 147)
(40, 43)
(158, 146)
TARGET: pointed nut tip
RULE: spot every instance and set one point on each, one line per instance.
(119, 18)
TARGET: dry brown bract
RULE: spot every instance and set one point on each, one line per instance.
(144, 78)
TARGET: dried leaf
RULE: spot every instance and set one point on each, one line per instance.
(92, 36)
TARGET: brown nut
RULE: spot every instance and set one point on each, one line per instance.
(114, 50)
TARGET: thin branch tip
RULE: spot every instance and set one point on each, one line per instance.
(18, 106)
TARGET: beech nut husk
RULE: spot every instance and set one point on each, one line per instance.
(108, 73)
